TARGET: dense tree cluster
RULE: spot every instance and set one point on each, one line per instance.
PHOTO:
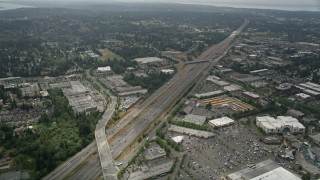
(35, 45)
(118, 66)
(52, 140)
(152, 82)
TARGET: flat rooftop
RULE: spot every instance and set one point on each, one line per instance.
(147, 60)
(153, 171)
(190, 132)
(224, 121)
(265, 170)
(196, 119)
(277, 174)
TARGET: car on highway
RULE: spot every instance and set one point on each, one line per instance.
(119, 164)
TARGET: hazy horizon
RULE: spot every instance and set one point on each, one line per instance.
(309, 5)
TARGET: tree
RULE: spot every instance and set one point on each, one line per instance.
(208, 106)
(306, 176)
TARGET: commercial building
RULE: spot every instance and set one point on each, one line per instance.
(310, 88)
(308, 91)
(226, 101)
(82, 104)
(190, 132)
(315, 139)
(188, 109)
(167, 71)
(245, 78)
(220, 122)
(232, 88)
(284, 89)
(266, 170)
(78, 96)
(251, 96)
(135, 92)
(178, 139)
(151, 172)
(295, 113)
(283, 124)
(216, 80)
(208, 94)
(155, 152)
(308, 158)
(44, 93)
(148, 60)
(302, 96)
(195, 119)
(106, 69)
(258, 71)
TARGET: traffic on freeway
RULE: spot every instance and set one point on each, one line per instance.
(137, 121)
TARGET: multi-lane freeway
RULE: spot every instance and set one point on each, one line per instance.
(167, 96)
(137, 121)
(69, 165)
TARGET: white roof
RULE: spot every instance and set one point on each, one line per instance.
(104, 69)
(272, 123)
(213, 77)
(302, 95)
(251, 94)
(232, 87)
(167, 70)
(276, 174)
(148, 60)
(190, 132)
(288, 120)
(216, 80)
(269, 122)
(221, 121)
(177, 139)
(44, 93)
(258, 71)
(311, 86)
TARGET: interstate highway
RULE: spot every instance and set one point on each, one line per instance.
(135, 123)
(169, 96)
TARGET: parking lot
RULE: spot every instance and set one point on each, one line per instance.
(232, 149)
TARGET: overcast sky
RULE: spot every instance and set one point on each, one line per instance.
(277, 4)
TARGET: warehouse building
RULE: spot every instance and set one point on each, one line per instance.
(283, 124)
(221, 122)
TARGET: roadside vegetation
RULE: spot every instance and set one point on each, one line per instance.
(152, 82)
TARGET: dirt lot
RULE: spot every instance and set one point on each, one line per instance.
(106, 53)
